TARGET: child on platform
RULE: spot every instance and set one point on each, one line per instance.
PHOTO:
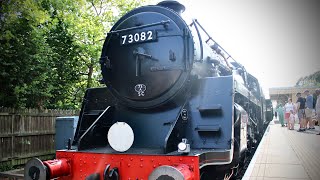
(291, 120)
(287, 108)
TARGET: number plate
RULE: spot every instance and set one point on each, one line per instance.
(138, 37)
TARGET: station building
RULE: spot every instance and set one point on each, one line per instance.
(281, 94)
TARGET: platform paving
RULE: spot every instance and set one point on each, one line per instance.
(286, 154)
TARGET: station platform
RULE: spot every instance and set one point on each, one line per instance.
(286, 154)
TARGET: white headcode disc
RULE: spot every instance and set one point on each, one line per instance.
(120, 136)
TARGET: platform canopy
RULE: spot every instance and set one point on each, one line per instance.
(281, 94)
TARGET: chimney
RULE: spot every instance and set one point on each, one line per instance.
(174, 5)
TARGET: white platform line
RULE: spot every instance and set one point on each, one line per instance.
(247, 175)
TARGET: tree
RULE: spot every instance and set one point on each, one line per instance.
(94, 20)
(24, 54)
(311, 80)
(50, 49)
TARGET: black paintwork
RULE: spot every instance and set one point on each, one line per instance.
(150, 86)
(167, 59)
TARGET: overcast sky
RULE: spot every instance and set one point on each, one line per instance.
(278, 41)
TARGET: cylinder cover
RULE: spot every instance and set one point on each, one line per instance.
(181, 172)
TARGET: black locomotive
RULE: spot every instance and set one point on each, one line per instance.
(175, 105)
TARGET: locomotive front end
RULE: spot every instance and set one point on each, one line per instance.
(146, 62)
(176, 106)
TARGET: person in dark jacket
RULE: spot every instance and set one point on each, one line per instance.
(309, 109)
(301, 111)
(318, 107)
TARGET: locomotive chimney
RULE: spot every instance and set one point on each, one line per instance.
(174, 5)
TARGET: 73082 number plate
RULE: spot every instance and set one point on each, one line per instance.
(138, 37)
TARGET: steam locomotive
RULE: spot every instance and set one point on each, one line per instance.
(176, 106)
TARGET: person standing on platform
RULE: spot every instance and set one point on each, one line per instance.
(288, 107)
(291, 120)
(318, 107)
(301, 113)
(279, 111)
(309, 109)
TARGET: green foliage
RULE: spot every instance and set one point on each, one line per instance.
(50, 49)
(24, 54)
(5, 168)
(311, 80)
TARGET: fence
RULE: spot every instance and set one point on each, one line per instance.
(27, 133)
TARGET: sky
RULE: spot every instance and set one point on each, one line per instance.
(278, 41)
